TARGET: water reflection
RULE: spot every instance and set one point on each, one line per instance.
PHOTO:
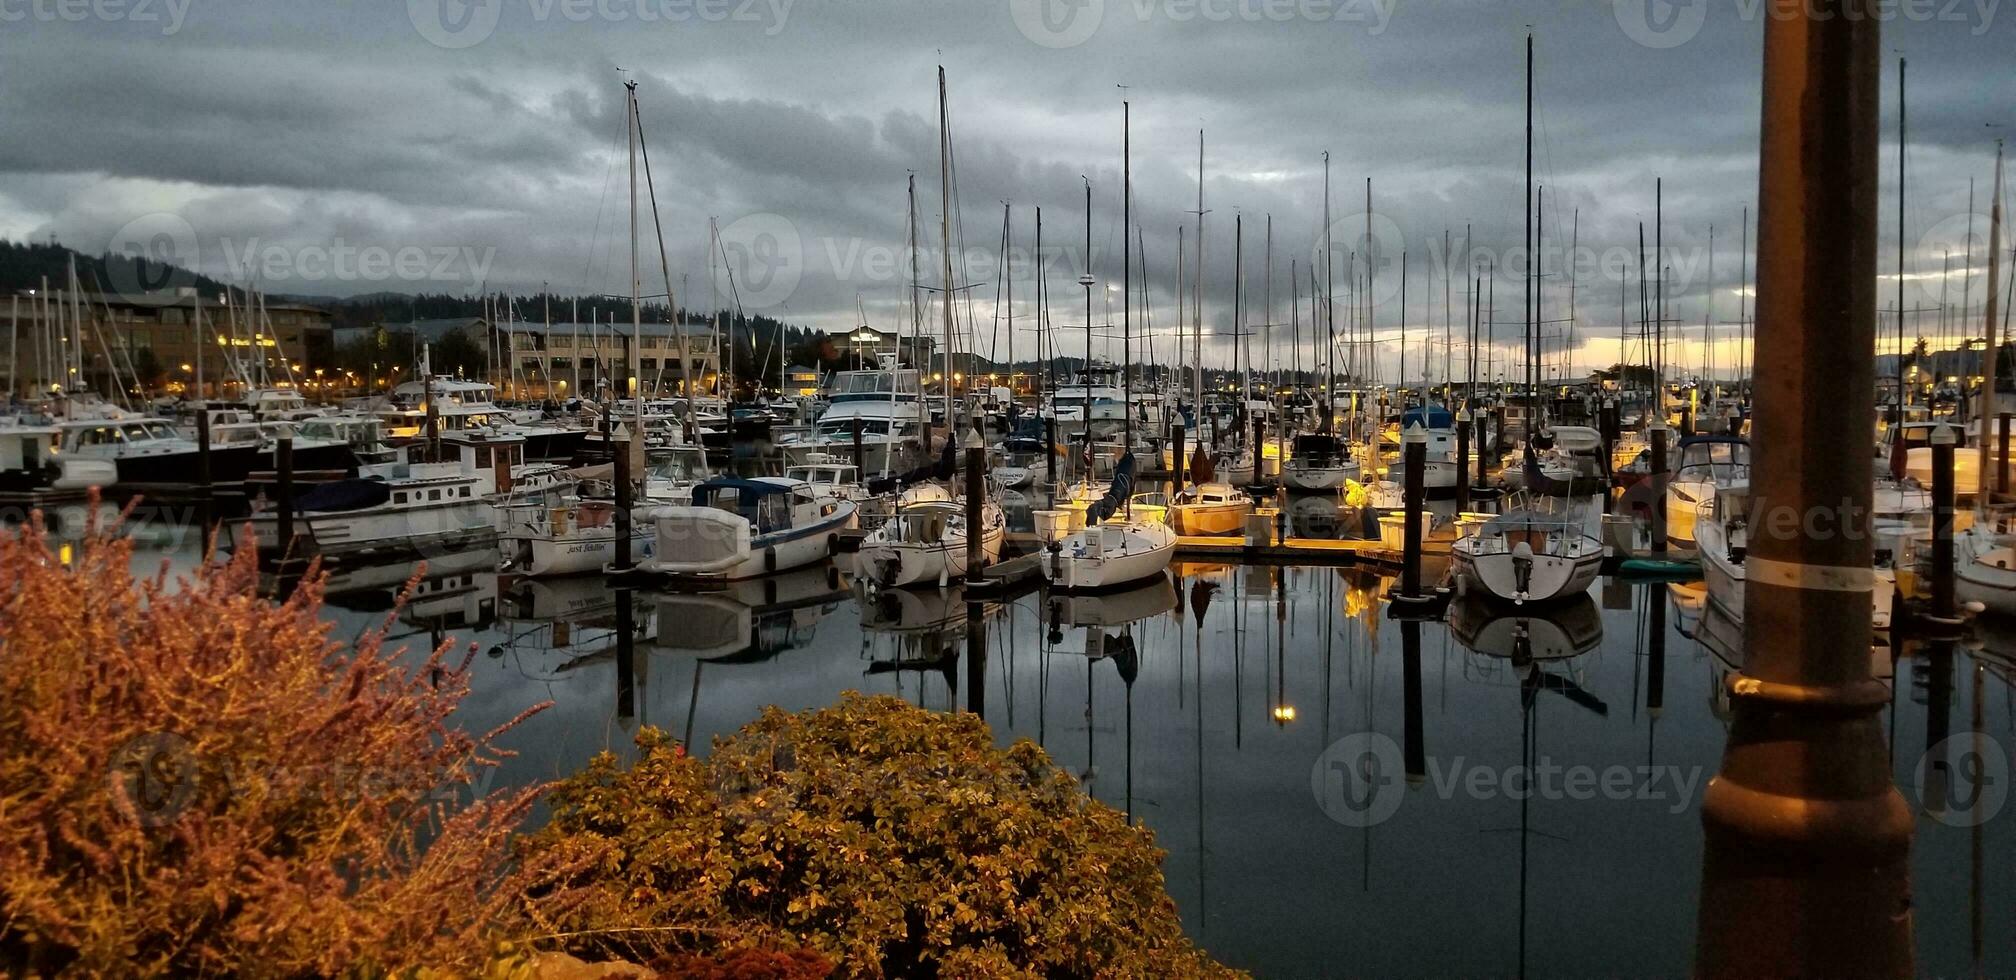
(1200, 706)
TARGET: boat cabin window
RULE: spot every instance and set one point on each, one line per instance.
(773, 512)
(399, 498)
(482, 457)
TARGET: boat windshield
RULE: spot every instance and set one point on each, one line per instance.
(1720, 462)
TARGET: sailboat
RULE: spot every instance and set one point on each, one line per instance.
(1208, 506)
(1107, 554)
(1986, 553)
(1529, 555)
(1321, 460)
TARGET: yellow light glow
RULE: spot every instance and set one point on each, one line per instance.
(1284, 712)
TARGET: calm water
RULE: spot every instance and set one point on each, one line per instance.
(1203, 707)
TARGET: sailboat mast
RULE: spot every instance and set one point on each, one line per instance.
(945, 239)
(916, 328)
(1197, 297)
(1989, 403)
(631, 364)
(1126, 281)
(1238, 315)
(1085, 280)
(1897, 412)
(1531, 419)
(1329, 312)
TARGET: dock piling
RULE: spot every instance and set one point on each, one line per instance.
(1414, 460)
(1659, 475)
(1463, 460)
(283, 462)
(625, 499)
(2001, 454)
(976, 495)
(1943, 440)
(1807, 841)
(206, 495)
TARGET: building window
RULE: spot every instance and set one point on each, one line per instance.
(648, 364)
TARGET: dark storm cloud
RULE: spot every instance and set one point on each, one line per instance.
(496, 128)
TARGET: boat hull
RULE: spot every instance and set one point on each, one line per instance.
(710, 543)
(1109, 556)
(1318, 477)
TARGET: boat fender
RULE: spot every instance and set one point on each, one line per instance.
(769, 559)
(833, 543)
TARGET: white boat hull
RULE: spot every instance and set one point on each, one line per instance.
(1318, 477)
(895, 563)
(1985, 572)
(1685, 502)
(708, 542)
(1109, 556)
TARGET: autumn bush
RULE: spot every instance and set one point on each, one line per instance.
(897, 841)
(195, 779)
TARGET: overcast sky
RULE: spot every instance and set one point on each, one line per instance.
(442, 146)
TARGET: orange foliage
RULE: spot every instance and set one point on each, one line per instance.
(195, 779)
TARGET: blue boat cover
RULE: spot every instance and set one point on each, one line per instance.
(1427, 417)
(342, 495)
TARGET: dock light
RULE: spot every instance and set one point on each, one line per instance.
(1284, 713)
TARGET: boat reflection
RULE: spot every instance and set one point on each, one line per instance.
(752, 620)
(1526, 636)
(1152, 598)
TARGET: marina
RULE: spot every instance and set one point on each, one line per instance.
(1228, 600)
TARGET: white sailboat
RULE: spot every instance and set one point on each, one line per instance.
(1106, 554)
(925, 541)
(1529, 555)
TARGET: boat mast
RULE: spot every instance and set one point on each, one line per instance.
(1197, 297)
(945, 237)
(1126, 282)
(1238, 318)
(1897, 411)
(1531, 419)
(916, 329)
(1196, 301)
(1329, 313)
(631, 364)
(1085, 370)
(1988, 404)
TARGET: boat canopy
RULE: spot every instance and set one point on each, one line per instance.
(344, 495)
(1428, 417)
